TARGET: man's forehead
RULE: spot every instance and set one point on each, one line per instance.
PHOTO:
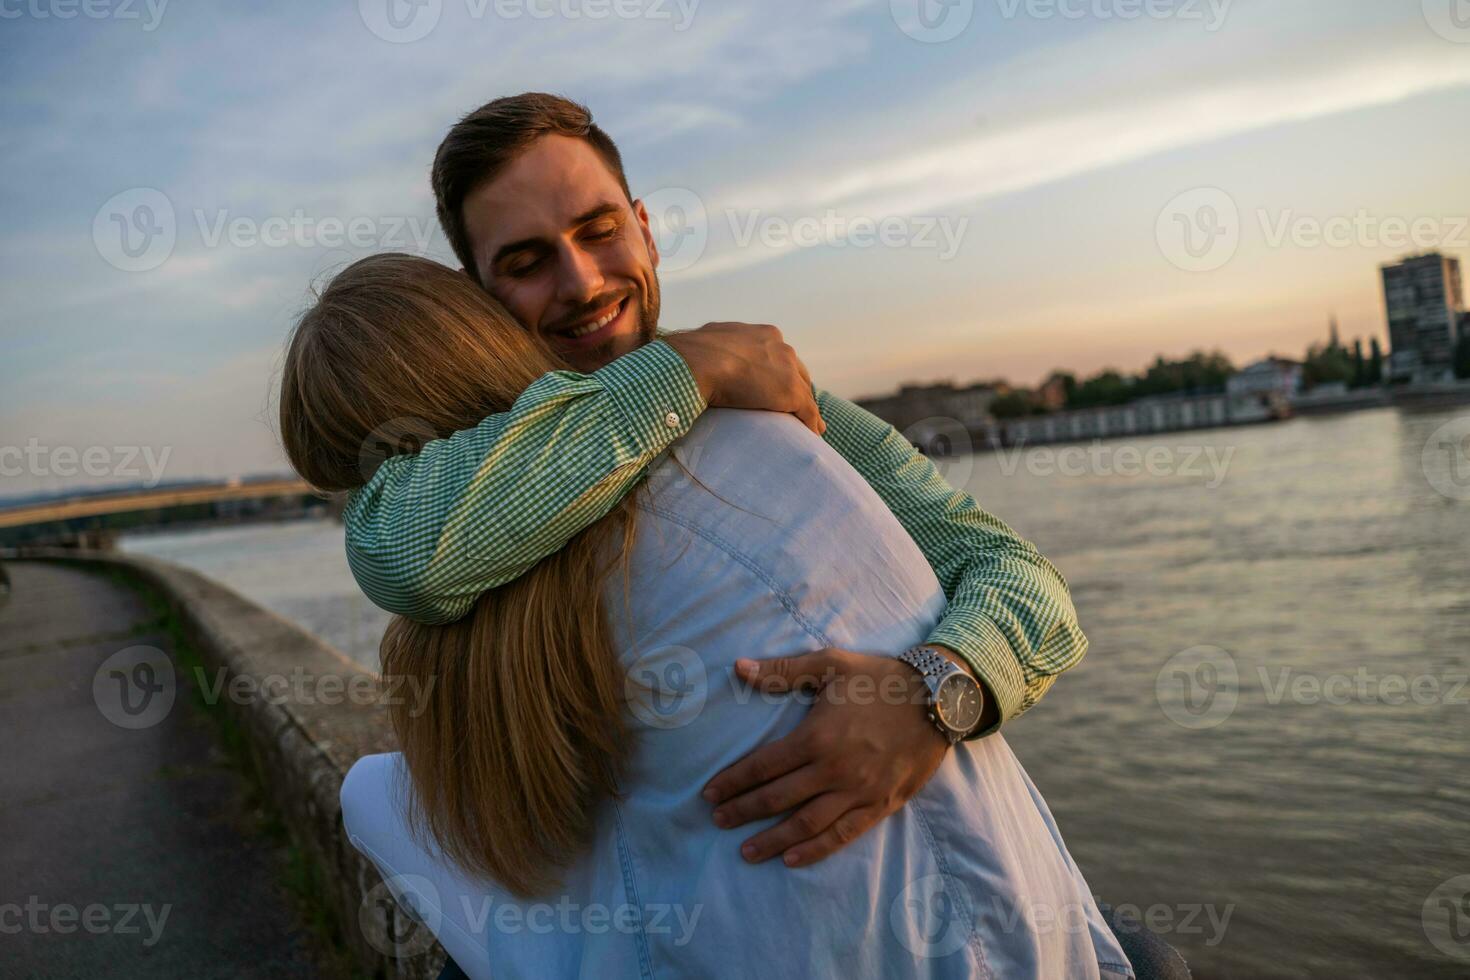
(540, 192)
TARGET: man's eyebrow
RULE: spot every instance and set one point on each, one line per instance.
(591, 214)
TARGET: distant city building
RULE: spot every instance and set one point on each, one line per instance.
(1052, 395)
(1272, 377)
(1425, 302)
(928, 413)
(1162, 413)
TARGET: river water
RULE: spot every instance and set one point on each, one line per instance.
(1266, 751)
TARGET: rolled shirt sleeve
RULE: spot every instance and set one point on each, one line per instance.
(1009, 615)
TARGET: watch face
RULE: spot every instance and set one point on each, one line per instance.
(957, 702)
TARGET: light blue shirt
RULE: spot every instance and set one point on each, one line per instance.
(776, 547)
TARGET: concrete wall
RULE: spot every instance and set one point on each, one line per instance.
(300, 750)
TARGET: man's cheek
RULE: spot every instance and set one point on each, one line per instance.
(523, 307)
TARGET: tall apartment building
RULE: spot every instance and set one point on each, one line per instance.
(1425, 301)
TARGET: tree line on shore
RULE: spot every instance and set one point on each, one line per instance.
(1199, 373)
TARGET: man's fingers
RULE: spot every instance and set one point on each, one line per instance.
(803, 825)
(770, 799)
(810, 415)
(845, 829)
(770, 761)
(804, 672)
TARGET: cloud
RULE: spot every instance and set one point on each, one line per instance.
(935, 176)
(785, 108)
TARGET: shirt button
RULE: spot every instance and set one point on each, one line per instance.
(672, 420)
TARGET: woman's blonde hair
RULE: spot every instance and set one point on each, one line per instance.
(523, 732)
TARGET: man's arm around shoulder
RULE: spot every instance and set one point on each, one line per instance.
(432, 530)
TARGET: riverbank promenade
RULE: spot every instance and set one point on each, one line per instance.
(127, 852)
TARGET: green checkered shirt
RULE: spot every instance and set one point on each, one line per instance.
(431, 531)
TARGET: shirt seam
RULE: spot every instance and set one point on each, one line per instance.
(630, 884)
(782, 596)
(973, 939)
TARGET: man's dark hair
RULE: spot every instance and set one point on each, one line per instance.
(481, 144)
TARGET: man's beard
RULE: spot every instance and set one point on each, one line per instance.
(648, 310)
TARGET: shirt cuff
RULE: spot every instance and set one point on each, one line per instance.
(655, 394)
(990, 656)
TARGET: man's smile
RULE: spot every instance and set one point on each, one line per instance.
(594, 327)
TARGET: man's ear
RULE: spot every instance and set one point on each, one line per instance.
(647, 230)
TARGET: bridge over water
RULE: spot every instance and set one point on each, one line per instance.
(93, 519)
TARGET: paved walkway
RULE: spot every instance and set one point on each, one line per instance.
(123, 852)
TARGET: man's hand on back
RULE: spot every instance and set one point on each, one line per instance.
(748, 365)
(864, 750)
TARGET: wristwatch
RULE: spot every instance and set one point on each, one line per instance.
(956, 700)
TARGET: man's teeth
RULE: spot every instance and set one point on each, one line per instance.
(595, 325)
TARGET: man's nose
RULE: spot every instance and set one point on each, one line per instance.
(579, 276)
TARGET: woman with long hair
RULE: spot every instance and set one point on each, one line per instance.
(545, 811)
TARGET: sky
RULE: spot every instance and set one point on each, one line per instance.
(913, 190)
